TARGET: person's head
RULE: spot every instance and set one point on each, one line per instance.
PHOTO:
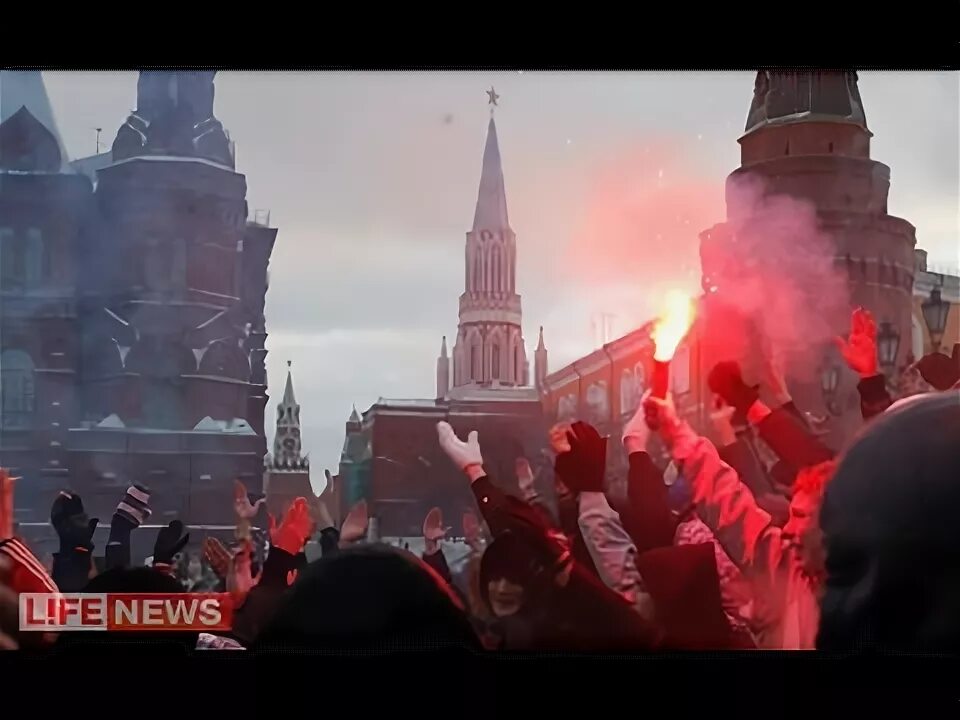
(889, 519)
(132, 580)
(369, 597)
(802, 529)
(509, 569)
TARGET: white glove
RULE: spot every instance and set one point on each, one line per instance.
(464, 454)
(636, 432)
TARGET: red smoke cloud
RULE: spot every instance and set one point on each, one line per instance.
(774, 265)
(641, 220)
(641, 226)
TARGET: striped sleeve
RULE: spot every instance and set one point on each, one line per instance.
(29, 574)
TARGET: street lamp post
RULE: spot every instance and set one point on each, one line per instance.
(935, 310)
(829, 381)
(888, 343)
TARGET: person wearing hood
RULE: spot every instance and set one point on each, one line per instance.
(368, 598)
(889, 522)
(531, 580)
(784, 566)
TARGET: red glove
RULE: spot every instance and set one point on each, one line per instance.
(860, 351)
(295, 529)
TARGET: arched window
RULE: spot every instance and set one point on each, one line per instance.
(476, 271)
(475, 361)
(517, 364)
(628, 393)
(495, 362)
(16, 388)
(495, 253)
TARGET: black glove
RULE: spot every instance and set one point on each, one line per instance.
(169, 543)
(940, 371)
(584, 467)
(73, 526)
(727, 382)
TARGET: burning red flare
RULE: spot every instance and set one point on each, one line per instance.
(673, 325)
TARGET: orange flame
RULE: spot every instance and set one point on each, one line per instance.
(671, 327)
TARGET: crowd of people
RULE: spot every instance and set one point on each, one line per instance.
(716, 550)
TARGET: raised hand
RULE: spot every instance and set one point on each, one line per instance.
(722, 419)
(472, 532)
(726, 380)
(239, 575)
(466, 455)
(170, 541)
(70, 521)
(433, 530)
(860, 351)
(217, 557)
(664, 414)
(294, 530)
(525, 477)
(354, 526)
(636, 432)
(583, 467)
(241, 502)
(559, 442)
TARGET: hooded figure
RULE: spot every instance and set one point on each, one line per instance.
(372, 598)
(889, 520)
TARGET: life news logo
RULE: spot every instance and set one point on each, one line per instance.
(63, 612)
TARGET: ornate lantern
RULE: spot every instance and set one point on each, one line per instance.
(935, 310)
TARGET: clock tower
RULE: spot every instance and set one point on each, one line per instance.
(287, 472)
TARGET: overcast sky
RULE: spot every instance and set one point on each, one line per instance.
(371, 179)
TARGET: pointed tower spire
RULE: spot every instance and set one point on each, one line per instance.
(288, 396)
(286, 442)
(354, 416)
(491, 212)
(24, 89)
(489, 348)
(540, 362)
(443, 370)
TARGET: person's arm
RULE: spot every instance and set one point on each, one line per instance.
(860, 354)
(724, 503)
(132, 511)
(792, 443)
(433, 532)
(874, 396)
(73, 565)
(612, 549)
(529, 492)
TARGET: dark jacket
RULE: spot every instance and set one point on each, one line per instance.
(579, 614)
(265, 597)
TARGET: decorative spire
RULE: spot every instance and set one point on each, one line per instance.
(288, 398)
(443, 347)
(24, 89)
(286, 442)
(354, 416)
(491, 212)
(540, 345)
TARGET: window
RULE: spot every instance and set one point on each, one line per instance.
(475, 362)
(517, 369)
(495, 360)
(37, 265)
(830, 148)
(16, 388)
(11, 259)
